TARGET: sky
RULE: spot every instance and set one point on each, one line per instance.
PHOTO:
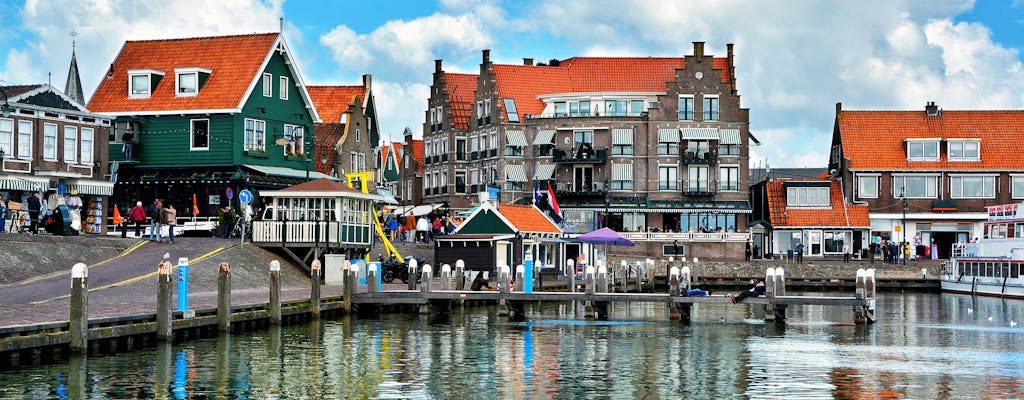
(794, 59)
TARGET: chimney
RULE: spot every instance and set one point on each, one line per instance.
(931, 110)
(367, 82)
(839, 108)
(437, 65)
(487, 56)
(528, 62)
(110, 72)
(698, 51)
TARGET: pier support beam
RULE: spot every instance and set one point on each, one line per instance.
(315, 272)
(79, 323)
(275, 293)
(224, 298)
(164, 327)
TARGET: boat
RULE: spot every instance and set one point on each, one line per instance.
(992, 265)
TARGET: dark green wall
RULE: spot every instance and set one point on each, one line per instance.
(485, 222)
(277, 113)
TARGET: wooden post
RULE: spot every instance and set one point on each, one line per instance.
(570, 274)
(769, 292)
(685, 280)
(520, 276)
(460, 275)
(79, 323)
(164, 327)
(275, 293)
(315, 271)
(602, 279)
(351, 280)
(412, 274)
(504, 276)
(780, 282)
(224, 298)
(589, 280)
(427, 276)
(372, 280)
(446, 277)
(673, 281)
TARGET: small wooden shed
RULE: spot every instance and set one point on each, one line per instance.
(502, 234)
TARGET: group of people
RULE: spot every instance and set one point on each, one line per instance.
(156, 215)
(419, 230)
(891, 252)
(37, 210)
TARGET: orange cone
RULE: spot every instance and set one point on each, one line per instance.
(117, 216)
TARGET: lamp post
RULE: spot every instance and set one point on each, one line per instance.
(903, 253)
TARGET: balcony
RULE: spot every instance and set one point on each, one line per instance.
(581, 155)
(460, 188)
(700, 188)
(473, 156)
(493, 153)
(460, 156)
(699, 157)
(444, 157)
(570, 191)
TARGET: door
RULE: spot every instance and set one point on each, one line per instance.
(583, 179)
(504, 255)
(815, 245)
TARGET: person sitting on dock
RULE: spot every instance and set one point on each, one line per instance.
(480, 282)
(698, 293)
(755, 291)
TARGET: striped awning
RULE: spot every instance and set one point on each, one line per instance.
(515, 138)
(657, 210)
(25, 183)
(668, 135)
(622, 172)
(622, 136)
(90, 187)
(729, 136)
(544, 172)
(546, 136)
(699, 133)
(515, 173)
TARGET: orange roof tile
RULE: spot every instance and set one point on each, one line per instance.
(417, 154)
(527, 219)
(235, 63)
(321, 185)
(875, 140)
(325, 137)
(838, 214)
(332, 101)
(461, 88)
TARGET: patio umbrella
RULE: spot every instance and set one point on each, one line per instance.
(118, 220)
(605, 236)
(195, 206)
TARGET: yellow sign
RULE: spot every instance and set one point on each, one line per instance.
(898, 228)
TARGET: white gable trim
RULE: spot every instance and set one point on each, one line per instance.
(486, 207)
(297, 77)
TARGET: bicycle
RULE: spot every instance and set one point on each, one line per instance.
(241, 227)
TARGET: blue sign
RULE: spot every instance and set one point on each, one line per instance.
(229, 193)
(245, 196)
(62, 188)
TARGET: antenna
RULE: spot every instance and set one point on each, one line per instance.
(280, 24)
(73, 41)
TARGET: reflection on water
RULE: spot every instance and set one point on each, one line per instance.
(925, 346)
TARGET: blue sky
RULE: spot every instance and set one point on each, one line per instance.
(794, 60)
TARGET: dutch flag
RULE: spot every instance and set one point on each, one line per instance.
(556, 213)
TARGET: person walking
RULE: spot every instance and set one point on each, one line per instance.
(3, 216)
(170, 216)
(422, 227)
(393, 228)
(153, 215)
(846, 253)
(138, 216)
(748, 250)
(35, 205)
(800, 252)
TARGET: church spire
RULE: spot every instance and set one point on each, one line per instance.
(73, 86)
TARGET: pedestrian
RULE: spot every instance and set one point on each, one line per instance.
(393, 228)
(3, 216)
(800, 252)
(170, 218)
(676, 250)
(846, 253)
(436, 228)
(756, 290)
(748, 250)
(138, 216)
(35, 204)
(152, 214)
(422, 227)
(480, 282)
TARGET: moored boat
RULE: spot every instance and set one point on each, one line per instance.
(992, 265)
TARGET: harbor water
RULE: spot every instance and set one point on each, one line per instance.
(924, 346)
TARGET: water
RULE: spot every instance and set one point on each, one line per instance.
(925, 346)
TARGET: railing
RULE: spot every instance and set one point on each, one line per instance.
(310, 232)
(568, 189)
(700, 188)
(699, 157)
(687, 236)
(593, 156)
(493, 153)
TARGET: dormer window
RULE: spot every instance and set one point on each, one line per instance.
(188, 80)
(141, 82)
(964, 150)
(815, 194)
(923, 150)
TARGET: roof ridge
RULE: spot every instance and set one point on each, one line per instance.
(204, 37)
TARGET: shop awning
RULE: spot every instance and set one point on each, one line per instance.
(288, 172)
(387, 197)
(699, 133)
(8, 182)
(622, 136)
(622, 172)
(546, 136)
(91, 187)
(416, 211)
(544, 172)
(515, 138)
(729, 136)
(668, 136)
(515, 173)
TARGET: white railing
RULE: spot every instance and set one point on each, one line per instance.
(687, 236)
(295, 231)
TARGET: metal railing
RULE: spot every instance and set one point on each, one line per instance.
(687, 236)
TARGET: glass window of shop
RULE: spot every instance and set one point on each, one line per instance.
(707, 222)
(579, 221)
(834, 241)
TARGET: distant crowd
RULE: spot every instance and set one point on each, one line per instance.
(410, 229)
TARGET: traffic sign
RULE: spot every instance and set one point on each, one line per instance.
(229, 193)
(245, 196)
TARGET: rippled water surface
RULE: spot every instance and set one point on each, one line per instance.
(925, 346)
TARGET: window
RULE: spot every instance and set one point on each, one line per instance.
(7, 136)
(729, 178)
(460, 149)
(255, 134)
(297, 142)
(622, 149)
(636, 107)
(284, 88)
(710, 108)
(515, 151)
(70, 144)
(1017, 186)
(353, 162)
(362, 162)
(667, 148)
(487, 108)
(581, 137)
(867, 186)
(188, 84)
(494, 140)
(615, 108)
(139, 85)
(923, 150)
(358, 136)
(87, 145)
(579, 108)
(622, 185)
(913, 186)
(728, 149)
(972, 187)
(697, 179)
(200, 134)
(560, 109)
(268, 85)
(667, 177)
(967, 150)
(25, 140)
(685, 108)
(510, 110)
(807, 196)
(50, 142)
(622, 176)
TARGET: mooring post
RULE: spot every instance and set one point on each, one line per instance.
(224, 297)
(79, 323)
(275, 292)
(372, 278)
(685, 279)
(673, 281)
(520, 283)
(858, 292)
(446, 277)
(769, 293)
(602, 279)
(570, 274)
(869, 291)
(164, 327)
(315, 271)
(780, 282)
(460, 275)
(427, 275)
(589, 280)
(412, 273)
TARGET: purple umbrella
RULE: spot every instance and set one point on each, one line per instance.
(605, 236)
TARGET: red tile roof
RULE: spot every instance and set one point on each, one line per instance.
(332, 101)
(325, 138)
(235, 63)
(527, 219)
(875, 140)
(321, 185)
(417, 154)
(461, 88)
(839, 214)
(589, 74)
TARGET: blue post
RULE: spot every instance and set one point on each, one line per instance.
(528, 276)
(183, 284)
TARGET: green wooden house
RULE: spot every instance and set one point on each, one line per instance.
(199, 116)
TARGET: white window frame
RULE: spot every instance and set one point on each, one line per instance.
(268, 84)
(50, 133)
(692, 107)
(989, 192)
(70, 136)
(808, 197)
(735, 171)
(670, 184)
(284, 88)
(861, 178)
(148, 74)
(177, 83)
(7, 136)
(258, 142)
(935, 189)
(487, 108)
(699, 177)
(1013, 187)
(297, 142)
(717, 112)
(353, 164)
(924, 143)
(192, 135)
(25, 139)
(962, 144)
(87, 140)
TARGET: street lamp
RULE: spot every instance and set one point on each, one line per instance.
(903, 252)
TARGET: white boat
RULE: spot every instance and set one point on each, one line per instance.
(992, 266)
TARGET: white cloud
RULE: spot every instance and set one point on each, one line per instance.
(401, 106)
